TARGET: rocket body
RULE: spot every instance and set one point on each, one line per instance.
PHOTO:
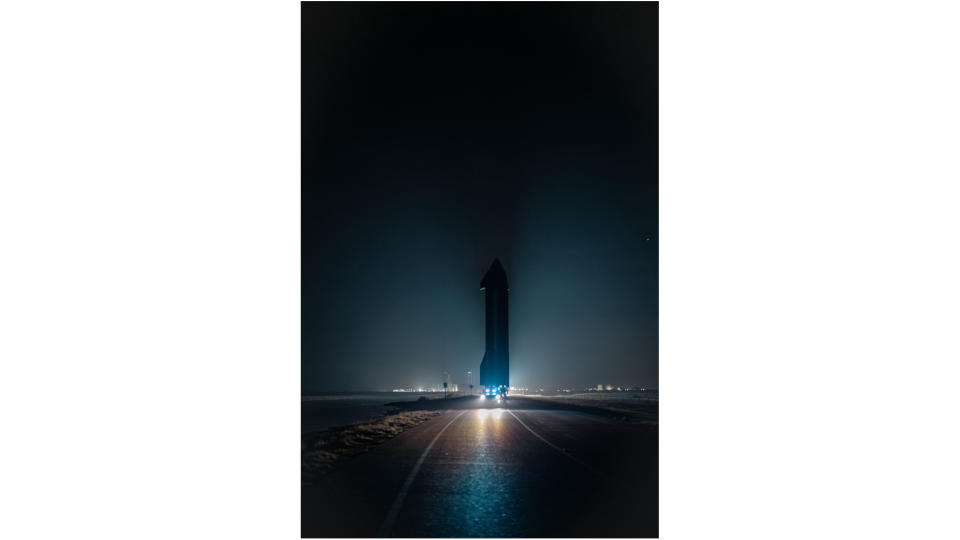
(495, 366)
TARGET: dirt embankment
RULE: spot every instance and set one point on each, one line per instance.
(320, 452)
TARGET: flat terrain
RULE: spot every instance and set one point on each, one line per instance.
(489, 469)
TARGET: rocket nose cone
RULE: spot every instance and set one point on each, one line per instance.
(495, 276)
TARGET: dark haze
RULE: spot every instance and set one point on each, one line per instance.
(436, 137)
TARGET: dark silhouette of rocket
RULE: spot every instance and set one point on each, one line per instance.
(495, 366)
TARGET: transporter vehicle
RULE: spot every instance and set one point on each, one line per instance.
(494, 392)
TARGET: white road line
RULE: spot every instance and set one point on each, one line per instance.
(398, 502)
(555, 447)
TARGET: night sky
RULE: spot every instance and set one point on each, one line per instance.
(436, 137)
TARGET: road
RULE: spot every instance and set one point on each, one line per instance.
(494, 469)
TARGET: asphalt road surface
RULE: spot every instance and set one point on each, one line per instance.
(494, 469)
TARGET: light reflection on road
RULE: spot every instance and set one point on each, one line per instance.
(493, 414)
(489, 492)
